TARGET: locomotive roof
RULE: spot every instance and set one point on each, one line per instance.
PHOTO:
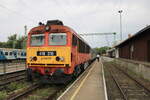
(78, 36)
(66, 28)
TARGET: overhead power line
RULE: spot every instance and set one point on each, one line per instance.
(92, 34)
(16, 12)
(97, 34)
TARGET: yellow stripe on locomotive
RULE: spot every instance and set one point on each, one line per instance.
(49, 57)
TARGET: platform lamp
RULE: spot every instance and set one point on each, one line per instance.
(120, 11)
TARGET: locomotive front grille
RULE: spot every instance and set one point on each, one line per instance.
(47, 65)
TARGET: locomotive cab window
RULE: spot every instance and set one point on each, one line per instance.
(37, 40)
(57, 39)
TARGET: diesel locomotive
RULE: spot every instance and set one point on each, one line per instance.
(55, 52)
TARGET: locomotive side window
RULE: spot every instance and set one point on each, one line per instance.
(57, 39)
(83, 48)
(87, 49)
(74, 40)
(37, 40)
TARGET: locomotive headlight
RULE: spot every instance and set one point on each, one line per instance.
(33, 58)
(47, 28)
(59, 58)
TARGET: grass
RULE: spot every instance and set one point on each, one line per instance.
(14, 86)
(34, 97)
(3, 95)
(41, 93)
(44, 93)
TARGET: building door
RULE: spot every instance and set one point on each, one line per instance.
(131, 51)
(148, 51)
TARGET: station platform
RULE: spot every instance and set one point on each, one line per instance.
(89, 86)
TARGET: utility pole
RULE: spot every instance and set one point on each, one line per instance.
(120, 11)
(24, 40)
(25, 29)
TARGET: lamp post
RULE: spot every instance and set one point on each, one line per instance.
(24, 39)
(120, 11)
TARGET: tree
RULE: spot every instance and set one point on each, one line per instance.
(101, 50)
(14, 42)
(2, 44)
(11, 41)
(21, 42)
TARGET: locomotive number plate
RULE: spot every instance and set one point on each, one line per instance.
(46, 53)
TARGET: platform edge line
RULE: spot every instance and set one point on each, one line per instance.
(71, 85)
(104, 82)
(81, 84)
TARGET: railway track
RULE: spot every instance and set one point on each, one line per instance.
(129, 88)
(8, 78)
(34, 91)
(112, 89)
(23, 93)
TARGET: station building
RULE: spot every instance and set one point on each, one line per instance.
(136, 47)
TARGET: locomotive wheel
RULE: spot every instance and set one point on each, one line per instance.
(86, 65)
(82, 68)
(29, 75)
(77, 71)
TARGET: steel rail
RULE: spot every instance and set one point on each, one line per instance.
(23, 92)
(139, 83)
(118, 85)
(9, 73)
(10, 77)
(53, 96)
(8, 82)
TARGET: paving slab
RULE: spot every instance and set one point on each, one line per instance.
(88, 87)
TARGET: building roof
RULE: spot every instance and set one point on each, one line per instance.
(133, 36)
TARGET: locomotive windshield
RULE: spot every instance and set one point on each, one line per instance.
(37, 40)
(57, 39)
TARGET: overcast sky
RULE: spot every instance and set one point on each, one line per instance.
(84, 16)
